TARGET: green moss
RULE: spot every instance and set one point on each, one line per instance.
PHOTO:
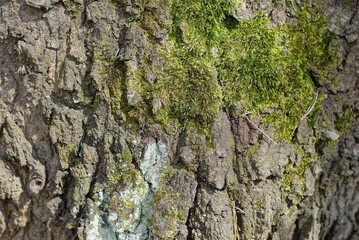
(189, 92)
(67, 153)
(127, 156)
(170, 216)
(152, 20)
(343, 124)
(126, 184)
(73, 6)
(121, 80)
(168, 206)
(187, 86)
(116, 3)
(116, 76)
(259, 205)
(114, 83)
(268, 70)
(212, 61)
(126, 204)
(202, 18)
(251, 152)
(125, 174)
(234, 195)
(292, 171)
(350, 2)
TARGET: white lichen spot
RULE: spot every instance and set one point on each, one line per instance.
(75, 211)
(137, 198)
(100, 199)
(97, 231)
(154, 163)
(112, 217)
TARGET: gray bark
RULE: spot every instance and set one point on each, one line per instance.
(64, 173)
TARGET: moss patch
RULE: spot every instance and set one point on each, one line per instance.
(167, 217)
(251, 151)
(212, 61)
(292, 171)
(168, 207)
(215, 61)
(73, 6)
(125, 174)
(67, 153)
(343, 123)
(268, 70)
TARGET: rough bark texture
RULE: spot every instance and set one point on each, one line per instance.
(71, 169)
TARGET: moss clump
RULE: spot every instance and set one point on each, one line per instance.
(115, 85)
(213, 61)
(292, 171)
(67, 153)
(262, 75)
(130, 94)
(268, 70)
(187, 85)
(125, 174)
(251, 151)
(73, 6)
(153, 19)
(343, 124)
(168, 207)
(189, 92)
(116, 76)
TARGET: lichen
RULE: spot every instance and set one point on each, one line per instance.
(98, 229)
(154, 163)
(127, 204)
(124, 174)
(132, 192)
(127, 191)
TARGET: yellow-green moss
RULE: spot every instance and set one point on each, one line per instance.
(170, 217)
(124, 173)
(343, 123)
(67, 153)
(73, 6)
(292, 171)
(251, 152)
(127, 179)
(213, 61)
(268, 70)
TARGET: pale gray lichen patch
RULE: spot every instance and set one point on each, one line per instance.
(154, 163)
(128, 211)
(132, 198)
(98, 230)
